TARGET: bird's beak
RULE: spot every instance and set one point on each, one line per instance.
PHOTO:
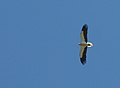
(92, 45)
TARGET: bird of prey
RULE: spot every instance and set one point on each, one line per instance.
(84, 44)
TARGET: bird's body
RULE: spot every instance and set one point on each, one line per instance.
(88, 44)
(84, 44)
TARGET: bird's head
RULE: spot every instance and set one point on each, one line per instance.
(89, 44)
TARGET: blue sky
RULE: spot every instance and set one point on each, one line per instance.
(39, 44)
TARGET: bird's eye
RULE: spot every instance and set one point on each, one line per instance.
(88, 44)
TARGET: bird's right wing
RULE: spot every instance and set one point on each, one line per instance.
(83, 33)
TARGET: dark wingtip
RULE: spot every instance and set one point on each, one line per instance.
(83, 61)
(85, 26)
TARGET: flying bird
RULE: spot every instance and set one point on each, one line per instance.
(84, 44)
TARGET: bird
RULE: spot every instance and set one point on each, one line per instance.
(84, 44)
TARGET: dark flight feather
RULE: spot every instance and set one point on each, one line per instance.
(85, 29)
(83, 58)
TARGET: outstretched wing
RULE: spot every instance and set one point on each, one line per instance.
(83, 52)
(83, 34)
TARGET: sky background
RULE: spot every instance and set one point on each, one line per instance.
(39, 43)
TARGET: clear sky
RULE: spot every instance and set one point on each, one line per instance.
(39, 43)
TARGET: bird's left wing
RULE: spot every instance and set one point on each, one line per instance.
(83, 51)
